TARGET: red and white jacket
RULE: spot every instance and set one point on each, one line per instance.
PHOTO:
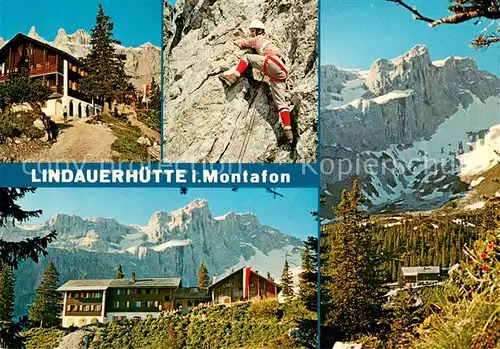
(262, 44)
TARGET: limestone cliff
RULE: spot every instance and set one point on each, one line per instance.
(205, 121)
(402, 126)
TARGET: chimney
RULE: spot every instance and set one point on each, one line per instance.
(214, 279)
(133, 277)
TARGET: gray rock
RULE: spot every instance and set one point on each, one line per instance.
(207, 122)
(144, 141)
(79, 339)
(396, 112)
(39, 124)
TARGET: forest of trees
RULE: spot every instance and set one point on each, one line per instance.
(359, 254)
(417, 240)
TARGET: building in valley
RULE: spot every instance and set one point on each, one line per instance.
(58, 69)
(419, 276)
(104, 300)
(243, 285)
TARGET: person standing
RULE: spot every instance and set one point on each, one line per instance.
(65, 114)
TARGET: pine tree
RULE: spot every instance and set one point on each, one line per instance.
(154, 96)
(106, 79)
(287, 281)
(269, 277)
(7, 297)
(460, 11)
(119, 272)
(11, 253)
(45, 310)
(354, 288)
(401, 279)
(203, 277)
(308, 278)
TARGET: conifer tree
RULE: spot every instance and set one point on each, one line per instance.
(45, 310)
(119, 272)
(11, 253)
(269, 277)
(355, 287)
(106, 79)
(154, 96)
(308, 278)
(287, 281)
(401, 278)
(203, 277)
(7, 296)
(460, 11)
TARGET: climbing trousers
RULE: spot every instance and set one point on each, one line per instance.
(273, 67)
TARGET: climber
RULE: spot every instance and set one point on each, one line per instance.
(269, 61)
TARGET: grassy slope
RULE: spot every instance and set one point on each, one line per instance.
(125, 147)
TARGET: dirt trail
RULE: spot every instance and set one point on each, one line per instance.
(80, 142)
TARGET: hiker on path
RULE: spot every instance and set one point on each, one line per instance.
(65, 114)
(50, 127)
(268, 60)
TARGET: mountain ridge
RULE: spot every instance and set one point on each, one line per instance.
(412, 118)
(142, 63)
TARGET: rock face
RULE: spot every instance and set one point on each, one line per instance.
(400, 126)
(142, 63)
(172, 244)
(207, 121)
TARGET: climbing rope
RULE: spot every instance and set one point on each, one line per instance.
(251, 124)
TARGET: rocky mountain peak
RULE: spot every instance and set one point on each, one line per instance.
(80, 37)
(33, 32)
(142, 63)
(194, 207)
(418, 50)
(408, 108)
(61, 36)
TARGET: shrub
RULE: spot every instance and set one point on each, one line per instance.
(151, 118)
(17, 124)
(42, 338)
(244, 325)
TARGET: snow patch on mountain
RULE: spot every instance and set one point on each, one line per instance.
(484, 154)
(425, 159)
(170, 244)
(271, 262)
(391, 96)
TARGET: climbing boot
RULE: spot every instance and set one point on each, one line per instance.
(288, 133)
(229, 78)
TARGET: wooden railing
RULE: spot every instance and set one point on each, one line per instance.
(43, 70)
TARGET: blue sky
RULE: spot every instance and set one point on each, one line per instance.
(354, 33)
(136, 21)
(290, 214)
